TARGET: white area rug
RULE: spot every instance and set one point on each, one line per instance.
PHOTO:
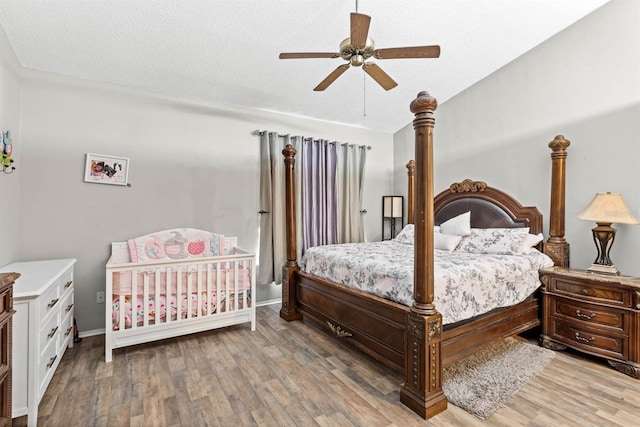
(483, 382)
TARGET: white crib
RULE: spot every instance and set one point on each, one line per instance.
(150, 300)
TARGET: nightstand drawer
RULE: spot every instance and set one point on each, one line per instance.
(591, 291)
(591, 314)
(589, 340)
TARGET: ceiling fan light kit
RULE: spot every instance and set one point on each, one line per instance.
(358, 48)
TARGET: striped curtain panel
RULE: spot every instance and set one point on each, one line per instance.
(319, 193)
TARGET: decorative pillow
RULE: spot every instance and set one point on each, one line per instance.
(498, 241)
(458, 226)
(445, 242)
(406, 235)
(530, 241)
(175, 244)
(408, 232)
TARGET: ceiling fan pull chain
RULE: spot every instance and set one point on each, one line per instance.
(364, 95)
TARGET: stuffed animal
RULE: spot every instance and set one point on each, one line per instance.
(7, 163)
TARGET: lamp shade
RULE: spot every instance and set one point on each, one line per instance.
(608, 208)
(392, 206)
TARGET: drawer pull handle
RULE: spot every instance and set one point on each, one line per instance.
(52, 332)
(53, 359)
(66, 285)
(66, 334)
(53, 302)
(70, 306)
(583, 339)
(585, 316)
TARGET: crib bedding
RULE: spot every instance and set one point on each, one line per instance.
(190, 305)
(225, 273)
(466, 284)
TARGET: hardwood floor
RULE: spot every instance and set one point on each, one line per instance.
(235, 377)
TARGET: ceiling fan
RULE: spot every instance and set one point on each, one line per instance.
(357, 48)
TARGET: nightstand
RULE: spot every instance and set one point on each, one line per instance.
(593, 313)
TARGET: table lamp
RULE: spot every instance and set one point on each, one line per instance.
(606, 209)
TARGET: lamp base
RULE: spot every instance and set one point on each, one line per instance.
(603, 269)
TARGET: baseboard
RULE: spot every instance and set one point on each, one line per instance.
(91, 333)
(269, 302)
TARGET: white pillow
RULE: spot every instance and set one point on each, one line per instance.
(530, 241)
(406, 235)
(446, 242)
(498, 241)
(458, 226)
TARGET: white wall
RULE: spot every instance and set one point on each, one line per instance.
(10, 119)
(583, 83)
(192, 164)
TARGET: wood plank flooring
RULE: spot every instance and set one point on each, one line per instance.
(293, 374)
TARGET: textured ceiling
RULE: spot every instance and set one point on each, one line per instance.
(226, 51)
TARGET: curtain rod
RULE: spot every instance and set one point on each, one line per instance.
(262, 132)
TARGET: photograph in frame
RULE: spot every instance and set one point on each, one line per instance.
(103, 169)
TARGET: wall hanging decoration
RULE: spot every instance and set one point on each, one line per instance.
(102, 169)
(6, 148)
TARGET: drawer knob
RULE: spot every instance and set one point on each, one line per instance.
(52, 332)
(53, 302)
(66, 285)
(585, 316)
(53, 359)
(583, 339)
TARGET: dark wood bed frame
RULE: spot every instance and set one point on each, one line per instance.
(413, 340)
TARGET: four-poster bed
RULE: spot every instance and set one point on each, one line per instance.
(413, 339)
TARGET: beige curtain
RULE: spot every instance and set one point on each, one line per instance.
(351, 169)
(272, 248)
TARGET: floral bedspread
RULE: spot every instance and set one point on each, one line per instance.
(466, 284)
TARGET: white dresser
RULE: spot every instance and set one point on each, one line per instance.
(42, 328)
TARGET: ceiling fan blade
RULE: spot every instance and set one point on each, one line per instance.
(379, 76)
(408, 52)
(298, 55)
(331, 77)
(359, 29)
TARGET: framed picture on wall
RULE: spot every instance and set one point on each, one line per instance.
(103, 169)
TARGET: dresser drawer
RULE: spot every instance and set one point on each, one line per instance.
(65, 281)
(66, 332)
(615, 319)
(66, 304)
(590, 340)
(49, 332)
(591, 291)
(49, 300)
(46, 368)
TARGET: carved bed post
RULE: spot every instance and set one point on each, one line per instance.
(556, 245)
(422, 390)
(411, 191)
(288, 310)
